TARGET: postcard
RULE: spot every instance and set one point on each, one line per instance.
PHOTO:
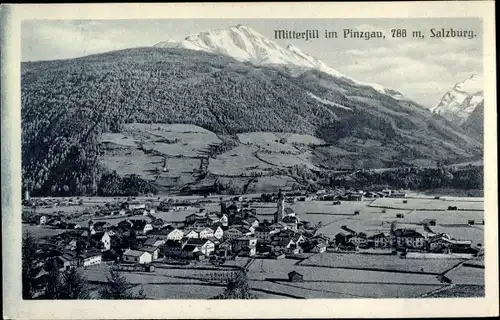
(223, 160)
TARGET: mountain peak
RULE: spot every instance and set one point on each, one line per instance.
(461, 101)
(245, 44)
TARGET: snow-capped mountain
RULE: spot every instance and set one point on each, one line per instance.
(459, 103)
(245, 44)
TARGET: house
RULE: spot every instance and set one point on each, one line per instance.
(233, 233)
(408, 238)
(218, 233)
(102, 226)
(245, 241)
(291, 222)
(264, 233)
(319, 248)
(193, 217)
(442, 243)
(355, 197)
(65, 261)
(159, 224)
(136, 256)
(136, 205)
(294, 276)
(205, 246)
(320, 238)
(340, 239)
(398, 194)
(172, 248)
(188, 251)
(382, 240)
(224, 249)
(89, 258)
(42, 219)
(125, 224)
(101, 240)
(293, 249)
(141, 226)
(205, 233)
(192, 234)
(359, 240)
(224, 221)
(155, 242)
(154, 251)
(280, 244)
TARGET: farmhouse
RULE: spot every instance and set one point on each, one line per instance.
(135, 205)
(264, 234)
(89, 258)
(408, 238)
(192, 234)
(319, 248)
(382, 240)
(154, 251)
(205, 233)
(205, 246)
(136, 256)
(245, 241)
(188, 251)
(218, 233)
(172, 248)
(154, 242)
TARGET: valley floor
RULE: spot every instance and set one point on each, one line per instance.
(325, 275)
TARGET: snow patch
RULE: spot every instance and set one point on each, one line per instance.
(327, 102)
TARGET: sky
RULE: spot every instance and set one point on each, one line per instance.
(422, 69)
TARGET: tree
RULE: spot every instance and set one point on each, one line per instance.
(30, 266)
(74, 286)
(118, 288)
(53, 284)
(237, 288)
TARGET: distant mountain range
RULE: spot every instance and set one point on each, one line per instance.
(245, 44)
(464, 105)
(67, 106)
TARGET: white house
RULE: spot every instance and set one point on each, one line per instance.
(224, 221)
(206, 233)
(135, 256)
(192, 234)
(264, 234)
(218, 233)
(42, 220)
(90, 258)
(319, 248)
(134, 205)
(233, 233)
(176, 234)
(154, 251)
(204, 246)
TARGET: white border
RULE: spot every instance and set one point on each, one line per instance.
(16, 308)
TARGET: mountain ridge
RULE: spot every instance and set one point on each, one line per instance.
(458, 104)
(245, 44)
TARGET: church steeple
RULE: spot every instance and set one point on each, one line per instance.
(280, 212)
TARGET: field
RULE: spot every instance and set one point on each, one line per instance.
(380, 262)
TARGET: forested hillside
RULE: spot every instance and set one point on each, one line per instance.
(68, 104)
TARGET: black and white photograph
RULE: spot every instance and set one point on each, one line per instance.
(256, 159)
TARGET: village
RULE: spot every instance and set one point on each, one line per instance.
(129, 234)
